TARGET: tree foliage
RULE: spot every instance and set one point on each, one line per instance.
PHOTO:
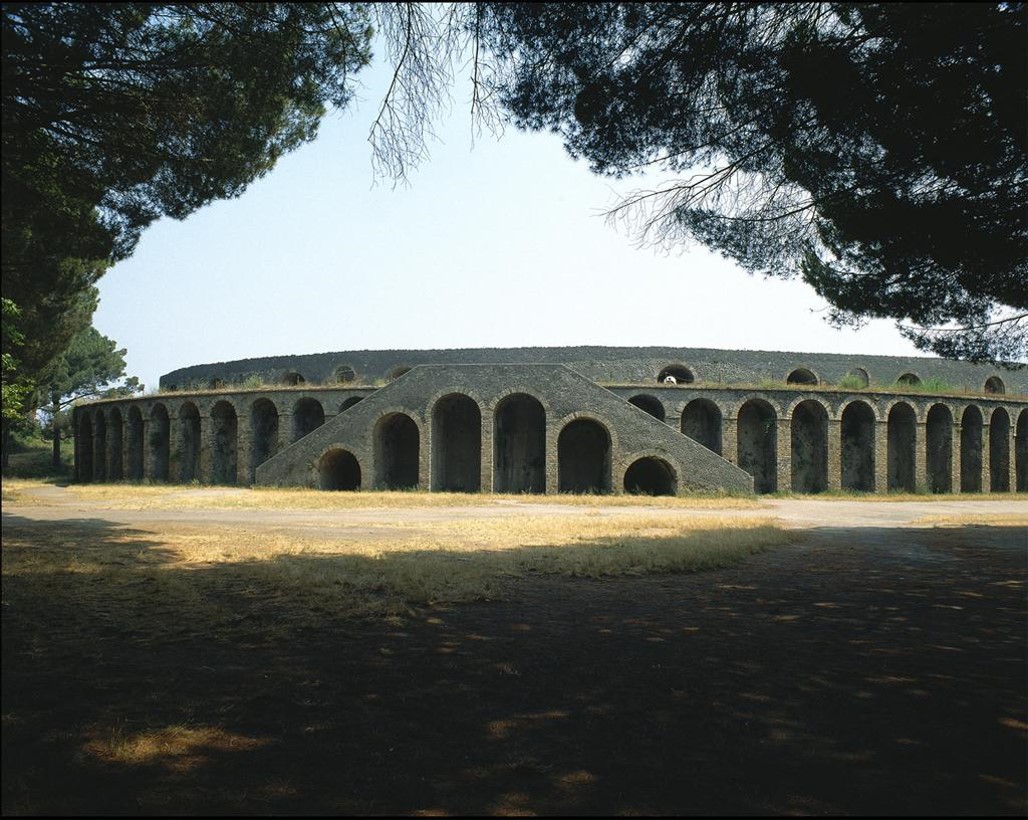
(876, 150)
(115, 114)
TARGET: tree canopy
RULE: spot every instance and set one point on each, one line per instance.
(876, 150)
(115, 114)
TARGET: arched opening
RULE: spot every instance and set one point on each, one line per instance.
(264, 438)
(308, 416)
(994, 384)
(345, 374)
(100, 447)
(908, 380)
(999, 451)
(757, 443)
(939, 443)
(160, 442)
(224, 444)
(809, 430)
(397, 443)
(339, 470)
(801, 375)
(856, 378)
(1021, 453)
(189, 432)
(456, 444)
(650, 476)
(583, 457)
(902, 431)
(350, 402)
(291, 378)
(519, 445)
(675, 374)
(84, 447)
(135, 444)
(971, 450)
(114, 433)
(858, 447)
(701, 421)
(398, 371)
(649, 404)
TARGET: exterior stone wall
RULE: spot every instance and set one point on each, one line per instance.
(525, 428)
(610, 365)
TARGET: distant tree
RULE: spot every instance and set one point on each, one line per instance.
(91, 367)
(876, 150)
(115, 114)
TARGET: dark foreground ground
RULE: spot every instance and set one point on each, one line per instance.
(857, 672)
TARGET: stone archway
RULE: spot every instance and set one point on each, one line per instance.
(701, 421)
(397, 452)
(650, 476)
(939, 449)
(999, 451)
(189, 433)
(115, 434)
(1021, 452)
(757, 426)
(971, 429)
(135, 444)
(809, 442)
(159, 442)
(308, 416)
(100, 447)
(224, 444)
(339, 469)
(264, 434)
(583, 457)
(519, 442)
(858, 447)
(902, 430)
(456, 444)
(649, 404)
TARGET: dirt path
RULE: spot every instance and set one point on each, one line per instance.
(876, 667)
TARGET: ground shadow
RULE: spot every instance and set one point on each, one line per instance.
(869, 673)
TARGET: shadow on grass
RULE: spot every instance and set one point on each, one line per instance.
(885, 676)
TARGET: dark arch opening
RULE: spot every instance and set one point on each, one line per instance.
(84, 446)
(100, 447)
(224, 452)
(858, 447)
(999, 451)
(939, 435)
(908, 380)
(398, 371)
(189, 432)
(160, 442)
(1021, 452)
(308, 416)
(801, 375)
(345, 374)
(994, 384)
(264, 438)
(519, 460)
(456, 444)
(649, 404)
(650, 476)
(809, 431)
(115, 433)
(902, 431)
(757, 443)
(701, 421)
(679, 372)
(339, 470)
(397, 456)
(583, 457)
(350, 402)
(971, 428)
(135, 444)
(291, 378)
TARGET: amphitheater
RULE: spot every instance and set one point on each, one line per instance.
(660, 421)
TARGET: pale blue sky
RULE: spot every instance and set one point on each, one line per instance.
(501, 245)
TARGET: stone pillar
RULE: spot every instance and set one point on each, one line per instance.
(486, 455)
(957, 451)
(986, 477)
(149, 462)
(1012, 450)
(783, 456)
(674, 421)
(204, 473)
(834, 454)
(881, 453)
(921, 457)
(552, 459)
(730, 439)
(285, 430)
(244, 442)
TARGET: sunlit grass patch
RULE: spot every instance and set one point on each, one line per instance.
(179, 748)
(976, 520)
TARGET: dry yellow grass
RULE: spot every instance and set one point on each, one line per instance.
(977, 520)
(340, 574)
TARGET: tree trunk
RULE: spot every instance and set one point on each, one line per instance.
(5, 447)
(57, 433)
